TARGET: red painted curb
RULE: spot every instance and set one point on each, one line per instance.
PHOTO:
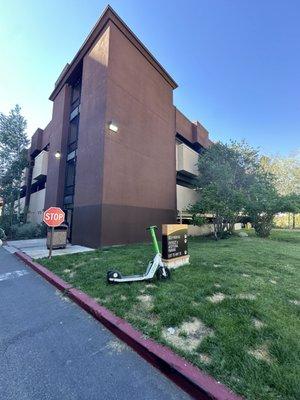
(198, 384)
(52, 278)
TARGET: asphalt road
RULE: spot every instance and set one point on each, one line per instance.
(52, 349)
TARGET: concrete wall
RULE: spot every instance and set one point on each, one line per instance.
(126, 180)
(184, 126)
(36, 207)
(194, 132)
(139, 175)
(185, 197)
(40, 165)
(202, 230)
(186, 159)
(89, 167)
(57, 132)
(206, 229)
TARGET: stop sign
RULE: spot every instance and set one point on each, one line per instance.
(53, 217)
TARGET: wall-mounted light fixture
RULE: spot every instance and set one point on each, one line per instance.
(57, 155)
(112, 126)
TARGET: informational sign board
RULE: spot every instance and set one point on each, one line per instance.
(175, 243)
(53, 217)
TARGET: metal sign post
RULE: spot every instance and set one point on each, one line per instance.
(51, 243)
(53, 217)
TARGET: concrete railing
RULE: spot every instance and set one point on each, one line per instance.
(36, 206)
(40, 165)
(185, 197)
(186, 159)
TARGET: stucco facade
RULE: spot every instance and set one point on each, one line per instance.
(113, 184)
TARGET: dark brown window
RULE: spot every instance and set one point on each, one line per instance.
(70, 175)
(76, 91)
(73, 133)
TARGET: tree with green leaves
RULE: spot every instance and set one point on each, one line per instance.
(224, 174)
(13, 158)
(263, 202)
(286, 173)
(232, 184)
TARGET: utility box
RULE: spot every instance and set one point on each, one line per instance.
(60, 235)
(175, 245)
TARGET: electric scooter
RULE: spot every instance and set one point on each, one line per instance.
(155, 267)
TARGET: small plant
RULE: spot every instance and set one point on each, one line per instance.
(183, 334)
(28, 231)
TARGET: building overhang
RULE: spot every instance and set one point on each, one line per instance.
(108, 15)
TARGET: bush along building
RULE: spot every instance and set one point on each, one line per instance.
(117, 155)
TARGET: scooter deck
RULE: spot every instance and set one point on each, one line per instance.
(132, 278)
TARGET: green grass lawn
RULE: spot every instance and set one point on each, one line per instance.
(233, 312)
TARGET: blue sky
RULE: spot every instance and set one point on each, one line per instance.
(237, 62)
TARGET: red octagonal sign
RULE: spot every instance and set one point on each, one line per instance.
(53, 217)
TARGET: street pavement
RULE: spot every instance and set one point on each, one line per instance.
(51, 349)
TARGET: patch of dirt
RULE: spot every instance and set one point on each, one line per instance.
(245, 275)
(261, 353)
(142, 314)
(206, 359)
(97, 299)
(217, 285)
(288, 268)
(152, 318)
(245, 296)
(69, 272)
(106, 299)
(217, 265)
(258, 324)
(188, 335)
(295, 302)
(116, 346)
(273, 281)
(123, 298)
(146, 300)
(151, 286)
(216, 297)
(79, 265)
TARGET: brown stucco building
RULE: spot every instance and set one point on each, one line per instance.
(117, 155)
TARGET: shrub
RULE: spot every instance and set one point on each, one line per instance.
(263, 225)
(28, 231)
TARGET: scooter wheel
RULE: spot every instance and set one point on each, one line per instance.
(112, 274)
(160, 274)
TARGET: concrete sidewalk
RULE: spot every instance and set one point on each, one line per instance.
(36, 248)
(52, 349)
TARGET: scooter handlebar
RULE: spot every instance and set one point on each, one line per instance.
(151, 227)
